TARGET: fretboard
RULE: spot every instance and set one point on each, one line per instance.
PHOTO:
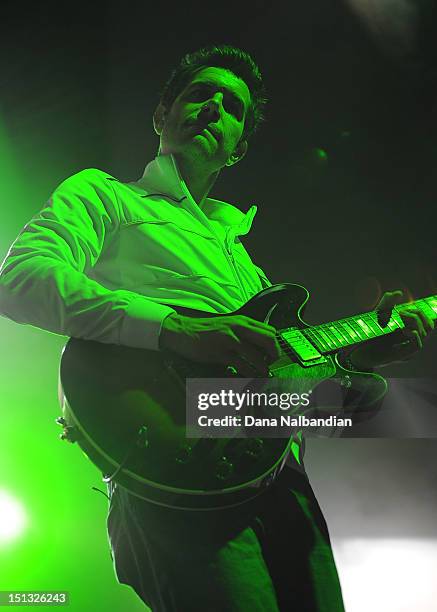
(330, 337)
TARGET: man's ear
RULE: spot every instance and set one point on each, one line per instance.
(239, 152)
(159, 118)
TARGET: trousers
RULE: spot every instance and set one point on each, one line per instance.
(269, 554)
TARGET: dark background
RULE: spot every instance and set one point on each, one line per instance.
(79, 84)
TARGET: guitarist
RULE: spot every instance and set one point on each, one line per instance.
(107, 261)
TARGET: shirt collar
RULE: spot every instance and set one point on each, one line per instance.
(162, 176)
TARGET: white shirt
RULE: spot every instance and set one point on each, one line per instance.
(106, 260)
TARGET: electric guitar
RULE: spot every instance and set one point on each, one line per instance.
(125, 407)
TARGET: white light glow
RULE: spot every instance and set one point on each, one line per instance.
(388, 575)
(13, 519)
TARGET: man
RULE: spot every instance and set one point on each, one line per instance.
(109, 261)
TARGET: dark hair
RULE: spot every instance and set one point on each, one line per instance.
(221, 56)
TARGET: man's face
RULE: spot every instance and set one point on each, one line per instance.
(206, 121)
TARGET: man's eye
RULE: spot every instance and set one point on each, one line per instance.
(199, 93)
(234, 108)
(203, 92)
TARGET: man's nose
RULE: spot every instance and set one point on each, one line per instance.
(211, 109)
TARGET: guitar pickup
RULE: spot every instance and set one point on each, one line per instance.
(302, 348)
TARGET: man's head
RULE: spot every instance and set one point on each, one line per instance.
(210, 106)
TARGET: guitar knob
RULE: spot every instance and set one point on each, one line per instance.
(254, 447)
(346, 382)
(224, 469)
(142, 440)
(184, 454)
(268, 480)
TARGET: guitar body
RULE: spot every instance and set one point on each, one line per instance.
(125, 407)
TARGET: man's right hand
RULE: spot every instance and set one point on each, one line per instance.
(232, 340)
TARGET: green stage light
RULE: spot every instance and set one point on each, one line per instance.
(13, 519)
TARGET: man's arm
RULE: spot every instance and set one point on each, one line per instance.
(43, 280)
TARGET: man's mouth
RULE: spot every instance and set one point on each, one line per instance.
(207, 128)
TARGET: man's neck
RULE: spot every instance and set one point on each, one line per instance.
(199, 183)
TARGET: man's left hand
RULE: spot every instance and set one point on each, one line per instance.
(397, 346)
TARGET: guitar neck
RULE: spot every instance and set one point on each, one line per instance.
(331, 337)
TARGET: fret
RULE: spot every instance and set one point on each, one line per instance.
(393, 325)
(431, 303)
(365, 328)
(425, 308)
(380, 329)
(344, 335)
(325, 337)
(334, 331)
(396, 322)
(371, 320)
(342, 338)
(322, 339)
(350, 331)
(313, 337)
(328, 333)
(373, 325)
(353, 323)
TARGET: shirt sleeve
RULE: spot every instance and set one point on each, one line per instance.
(263, 278)
(44, 282)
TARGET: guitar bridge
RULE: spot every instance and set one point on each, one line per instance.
(301, 347)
